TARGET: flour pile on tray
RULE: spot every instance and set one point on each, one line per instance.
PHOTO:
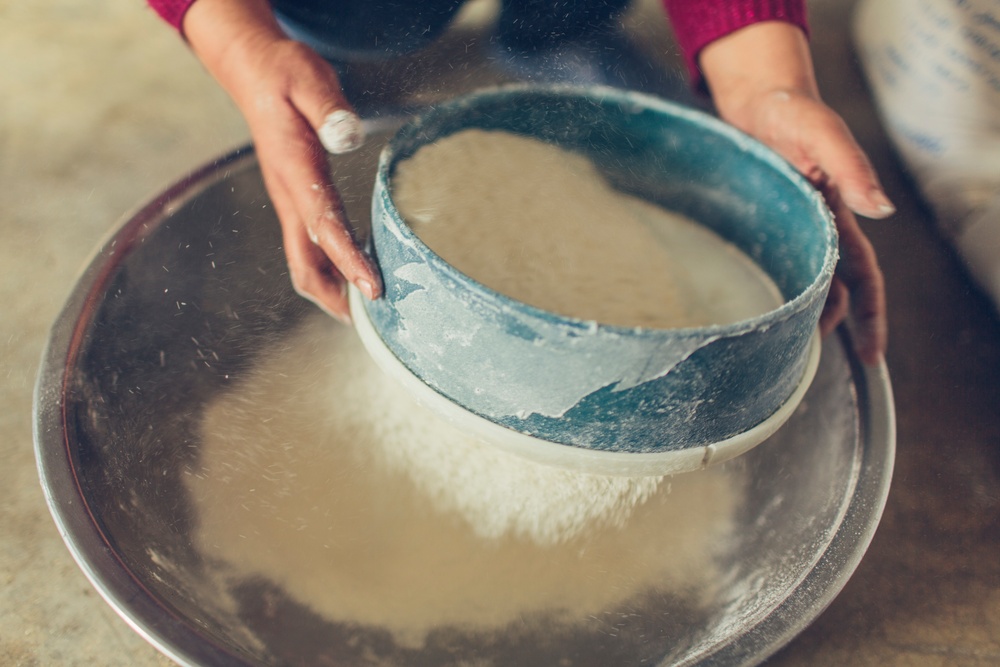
(319, 473)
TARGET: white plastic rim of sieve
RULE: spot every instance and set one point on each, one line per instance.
(579, 459)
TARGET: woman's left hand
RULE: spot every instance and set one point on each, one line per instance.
(761, 79)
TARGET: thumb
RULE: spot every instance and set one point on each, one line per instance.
(320, 99)
(842, 159)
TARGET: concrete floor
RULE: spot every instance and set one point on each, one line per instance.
(101, 107)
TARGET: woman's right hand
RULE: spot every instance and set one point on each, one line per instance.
(293, 104)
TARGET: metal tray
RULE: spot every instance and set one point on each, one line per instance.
(192, 291)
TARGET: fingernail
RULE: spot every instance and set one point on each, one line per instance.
(367, 289)
(881, 202)
(342, 132)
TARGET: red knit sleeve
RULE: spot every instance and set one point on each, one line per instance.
(697, 23)
(172, 11)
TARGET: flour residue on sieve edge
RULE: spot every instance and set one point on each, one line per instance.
(320, 475)
(600, 358)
